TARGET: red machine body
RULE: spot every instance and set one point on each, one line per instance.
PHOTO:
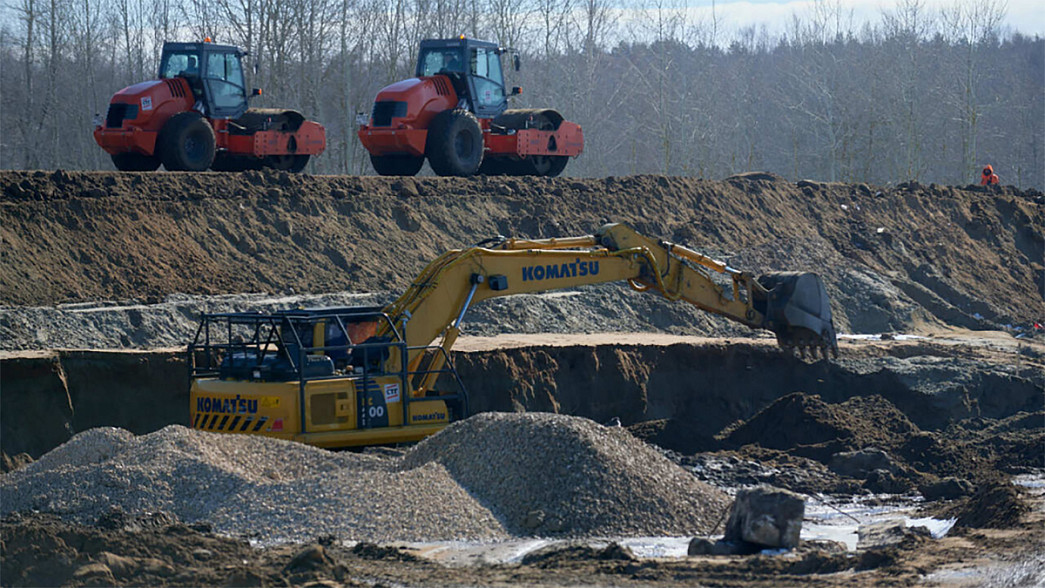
(195, 119)
(458, 119)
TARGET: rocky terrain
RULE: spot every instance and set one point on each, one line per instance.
(936, 404)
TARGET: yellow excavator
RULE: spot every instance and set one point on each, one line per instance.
(357, 376)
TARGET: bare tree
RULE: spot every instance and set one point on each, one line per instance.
(973, 25)
(29, 14)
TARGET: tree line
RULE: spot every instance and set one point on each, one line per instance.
(919, 94)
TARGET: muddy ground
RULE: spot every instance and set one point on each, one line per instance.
(119, 262)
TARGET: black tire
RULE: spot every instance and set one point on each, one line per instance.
(135, 162)
(235, 163)
(455, 143)
(288, 163)
(187, 143)
(548, 166)
(397, 165)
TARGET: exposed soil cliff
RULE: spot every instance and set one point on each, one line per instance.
(892, 258)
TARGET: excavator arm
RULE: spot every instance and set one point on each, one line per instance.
(341, 377)
(792, 305)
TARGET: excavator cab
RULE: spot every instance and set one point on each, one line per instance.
(214, 72)
(332, 377)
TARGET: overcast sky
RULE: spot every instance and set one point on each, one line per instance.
(1025, 16)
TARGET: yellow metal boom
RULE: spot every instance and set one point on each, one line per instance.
(794, 306)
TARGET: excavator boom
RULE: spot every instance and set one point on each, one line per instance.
(340, 377)
(794, 306)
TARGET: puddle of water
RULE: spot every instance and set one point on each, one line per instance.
(822, 523)
(1034, 481)
(825, 520)
(466, 553)
(878, 337)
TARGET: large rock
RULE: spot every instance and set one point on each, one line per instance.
(766, 516)
(947, 488)
(860, 464)
(886, 533)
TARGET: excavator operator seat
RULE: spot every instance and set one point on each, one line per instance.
(371, 358)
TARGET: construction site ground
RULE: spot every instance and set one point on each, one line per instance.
(935, 289)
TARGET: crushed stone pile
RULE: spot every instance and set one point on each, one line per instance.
(551, 474)
(592, 479)
(265, 489)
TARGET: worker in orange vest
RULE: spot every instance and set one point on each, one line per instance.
(989, 178)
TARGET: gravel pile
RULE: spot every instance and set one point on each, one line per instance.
(488, 478)
(550, 474)
(261, 488)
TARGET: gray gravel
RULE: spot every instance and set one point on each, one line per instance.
(488, 478)
(560, 475)
(173, 322)
(265, 489)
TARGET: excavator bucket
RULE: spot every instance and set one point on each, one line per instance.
(799, 312)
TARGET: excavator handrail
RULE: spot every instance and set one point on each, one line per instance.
(449, 368)
(284, 337)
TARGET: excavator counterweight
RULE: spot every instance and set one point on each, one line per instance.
(341, 377)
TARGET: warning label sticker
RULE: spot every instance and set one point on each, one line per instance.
(391, 393)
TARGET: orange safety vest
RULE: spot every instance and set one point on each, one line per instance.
(989, 178)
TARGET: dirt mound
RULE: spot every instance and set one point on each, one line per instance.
(893, 258)
(817, 429)
(555, 475)
(1013, 443)
(996, 505)
(676, 435)
(869, 439)
(936, 454)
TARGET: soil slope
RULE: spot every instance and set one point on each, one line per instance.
(893, 258)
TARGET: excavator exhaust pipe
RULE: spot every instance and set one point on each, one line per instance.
(798, 311)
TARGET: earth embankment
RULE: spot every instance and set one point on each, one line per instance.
(708, 385)
(893, 258)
